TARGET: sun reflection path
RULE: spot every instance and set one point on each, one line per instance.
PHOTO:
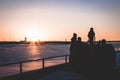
(33, 51)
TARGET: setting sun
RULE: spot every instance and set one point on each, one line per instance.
(34, 35)
(49, 21)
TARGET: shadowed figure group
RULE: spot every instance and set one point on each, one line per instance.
(92, 59)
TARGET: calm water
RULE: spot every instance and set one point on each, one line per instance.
(17, 53)
(22, 52)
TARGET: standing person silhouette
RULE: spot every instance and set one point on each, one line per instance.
(73, 47)
(91, 36)
(108, 61)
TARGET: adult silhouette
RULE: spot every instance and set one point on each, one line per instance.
(82, 56)
(91, 36)
(107, 59)
(79, 51)
(79, 41)
(109, 54)
(73, 47)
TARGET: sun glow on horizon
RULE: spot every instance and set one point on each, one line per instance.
(33, 34)
(44, 20)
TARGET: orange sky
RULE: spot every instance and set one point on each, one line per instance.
(58, 20)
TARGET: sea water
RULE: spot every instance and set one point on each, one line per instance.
(12, 53)
(23, 52)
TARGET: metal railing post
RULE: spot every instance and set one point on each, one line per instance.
(43, 63)
(20, 64)
(20, 67)
(65, 58)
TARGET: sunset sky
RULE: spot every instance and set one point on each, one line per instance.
(57, 20)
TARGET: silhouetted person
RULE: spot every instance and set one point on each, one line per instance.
(109, 53)
(79, 51)
(79, 41)
(107, 59)
(91, 36)
(74, 39)
(73, 47)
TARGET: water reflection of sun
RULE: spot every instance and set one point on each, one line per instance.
(33, 48)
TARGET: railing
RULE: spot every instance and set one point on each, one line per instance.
(42, 59)
(117, 49)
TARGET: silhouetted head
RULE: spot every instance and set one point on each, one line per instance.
(103, 41)
(91, 29)
(74, 34)
(79, 38)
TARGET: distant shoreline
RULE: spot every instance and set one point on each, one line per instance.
(40, 42)
(28, 42)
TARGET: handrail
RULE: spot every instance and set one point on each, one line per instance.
(42, 59)
(43, 62)
(38, 59)
(34, 60)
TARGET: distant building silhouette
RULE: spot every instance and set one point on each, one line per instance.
(25, 39)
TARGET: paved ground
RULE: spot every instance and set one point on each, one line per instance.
(60, 72)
